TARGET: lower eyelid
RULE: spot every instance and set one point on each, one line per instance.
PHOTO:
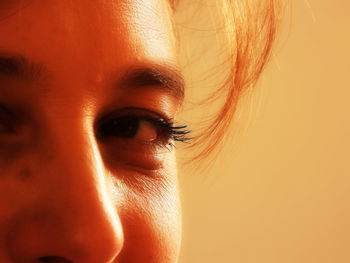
(144, 157)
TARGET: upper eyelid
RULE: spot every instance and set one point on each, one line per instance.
(138, 111)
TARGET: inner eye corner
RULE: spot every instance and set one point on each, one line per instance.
(97, 128)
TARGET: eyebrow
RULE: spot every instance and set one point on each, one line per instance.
(164, 76)
(19, 67)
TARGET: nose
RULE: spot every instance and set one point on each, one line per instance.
(73, 218)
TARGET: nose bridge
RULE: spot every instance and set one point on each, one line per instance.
(75, 217)
(82, 194)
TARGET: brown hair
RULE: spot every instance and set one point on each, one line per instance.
(250, 29)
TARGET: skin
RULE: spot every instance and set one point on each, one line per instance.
(67, 195)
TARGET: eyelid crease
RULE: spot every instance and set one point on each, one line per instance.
(139, 110)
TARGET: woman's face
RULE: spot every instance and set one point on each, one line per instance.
(88, 90)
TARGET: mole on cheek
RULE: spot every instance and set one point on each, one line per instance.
(25, 174)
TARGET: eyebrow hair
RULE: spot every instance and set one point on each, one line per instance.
(163, 76)
(18, 67)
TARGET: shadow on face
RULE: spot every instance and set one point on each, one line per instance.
(88, 95)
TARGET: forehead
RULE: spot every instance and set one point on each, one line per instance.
(101, 30)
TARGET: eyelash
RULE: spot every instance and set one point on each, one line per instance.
(176, 133)
(167, 130)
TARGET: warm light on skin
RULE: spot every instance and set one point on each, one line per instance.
(65, 194)
(148, 28)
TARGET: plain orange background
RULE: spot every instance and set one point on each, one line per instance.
(280, 190)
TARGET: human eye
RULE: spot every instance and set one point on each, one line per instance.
(12, 130)
(142, 129)
(138, 138)
(6, 121)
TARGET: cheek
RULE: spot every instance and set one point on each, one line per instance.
(151, 219)
(153, 230)
(17, 190)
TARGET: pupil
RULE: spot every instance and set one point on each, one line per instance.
(126, 127)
